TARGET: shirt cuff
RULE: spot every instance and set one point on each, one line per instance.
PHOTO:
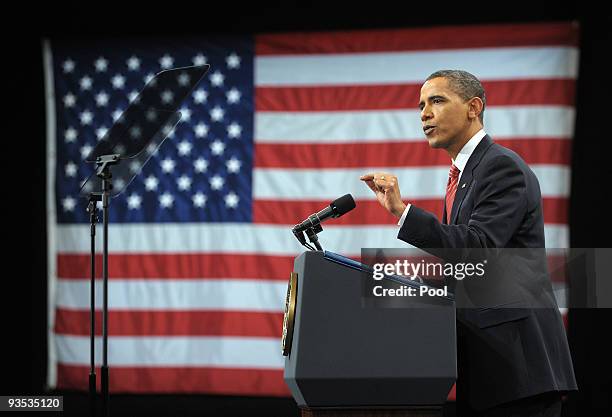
(403, 218)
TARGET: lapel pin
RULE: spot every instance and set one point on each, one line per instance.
(463, 185)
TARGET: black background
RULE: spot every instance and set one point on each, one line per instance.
(24, 316)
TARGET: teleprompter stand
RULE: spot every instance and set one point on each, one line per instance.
(134, 138)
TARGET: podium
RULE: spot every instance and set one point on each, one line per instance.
(347, 354)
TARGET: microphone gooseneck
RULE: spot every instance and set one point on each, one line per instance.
(312, 225)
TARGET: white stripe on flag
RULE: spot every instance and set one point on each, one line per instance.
(409, 67)
(225, 352)
(242, 238)
(177, 294)
(405, 125)
(416, 183)
(561, 293)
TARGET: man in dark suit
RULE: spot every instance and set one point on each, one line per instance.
(512, 352)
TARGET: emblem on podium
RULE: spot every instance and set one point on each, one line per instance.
(289, 317)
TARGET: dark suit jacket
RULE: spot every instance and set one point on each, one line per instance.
(512, 348)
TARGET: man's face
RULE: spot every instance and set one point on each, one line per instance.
(444, 114)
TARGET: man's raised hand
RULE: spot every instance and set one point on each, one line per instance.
(386, 188)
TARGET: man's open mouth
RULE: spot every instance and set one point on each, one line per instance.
(428, 129)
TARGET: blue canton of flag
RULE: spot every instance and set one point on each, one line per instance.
(202, 172)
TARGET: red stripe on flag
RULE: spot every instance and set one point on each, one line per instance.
(172, 323)
(444, 37)
(452, 394)
(557, 268)
(292, 212)
(179, 380)
(349, 155)
(394, 154)
(369, 212)
(406, 96)
(555, 210)
(178, 265)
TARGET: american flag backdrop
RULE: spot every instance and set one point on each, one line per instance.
(200, 242)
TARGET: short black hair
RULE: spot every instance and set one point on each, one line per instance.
(463, 83)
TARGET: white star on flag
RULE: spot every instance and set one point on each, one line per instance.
(119, 184)
(200, 96)
(183, 79)
(100, 132)
(68, 203)
(184, 183)
(185, 114)
(86, 150)
(233, 61)
(231, 200)
(69, 100)
(86, 117)
(68, 66)
(217, 147)
(216, 182)
(70, 169)
(133, 95)
(133, 63)
(118, 81)
(167, 97)
(135, 132)
(216, 79)
(200, 130)
(151, 183)
(216, 114)
(200, 165)
(119, 148)
(233, 96)
(117, 114)
(134, 201)
(148, 79)
(184, 148)
(85, 83)
(135, 166)
(166, 200)
(70, 135)
(199, 199)
(169, 131)
(166, 61)
(151, 115)
(101, 99)
(234, 130)
(101, 64)
(233, 165)
(168, 165)
(199, 60)
(152, 148)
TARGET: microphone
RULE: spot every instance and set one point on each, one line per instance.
(336, 209)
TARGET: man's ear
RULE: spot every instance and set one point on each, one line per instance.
(475, 106)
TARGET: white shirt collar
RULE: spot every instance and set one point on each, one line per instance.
(467, 150)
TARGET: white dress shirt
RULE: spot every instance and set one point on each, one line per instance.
(460, 162)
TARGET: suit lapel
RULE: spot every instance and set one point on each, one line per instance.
(466, 177)
(462, 187)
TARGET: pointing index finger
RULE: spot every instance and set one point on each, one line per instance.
(367, 177)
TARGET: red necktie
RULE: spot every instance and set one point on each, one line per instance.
(451, 190)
